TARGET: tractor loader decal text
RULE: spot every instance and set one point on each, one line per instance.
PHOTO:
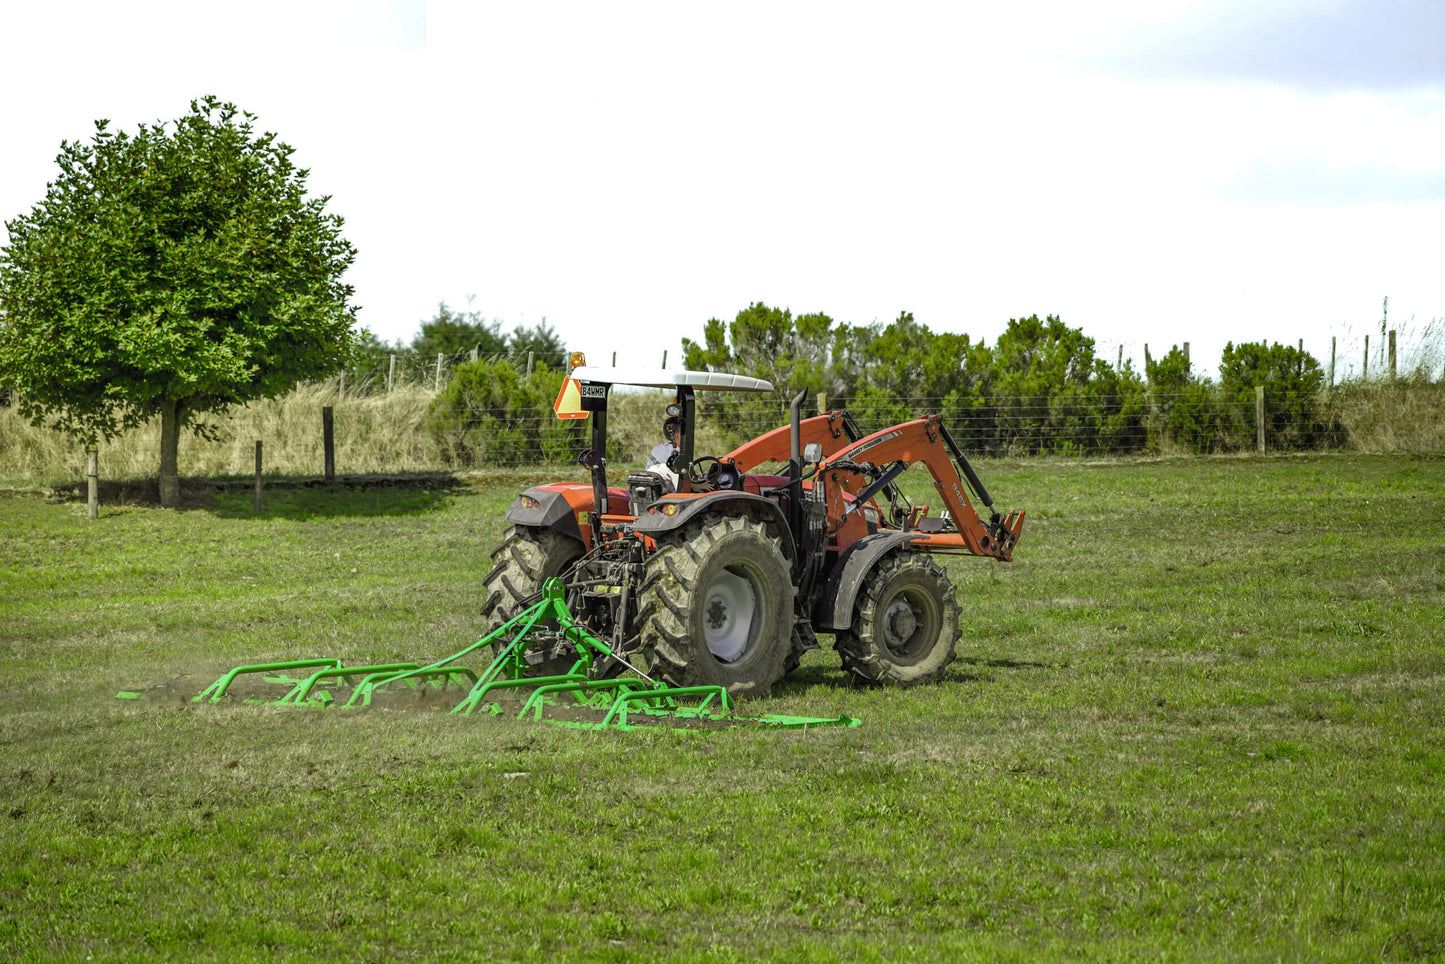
(860, 449)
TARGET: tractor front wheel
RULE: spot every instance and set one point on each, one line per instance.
(905, 623)
(716, 608)
(526, 558)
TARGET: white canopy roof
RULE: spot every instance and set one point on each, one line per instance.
(663, 378)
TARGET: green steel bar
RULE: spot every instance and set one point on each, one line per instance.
(528, 615)
(538, 699)
(508, 663)
(303, 689)
(619, 706)
(218, 689)
(513, 649)
(361, 695)
(485, 686)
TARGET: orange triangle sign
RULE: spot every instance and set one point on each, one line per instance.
(569, 400)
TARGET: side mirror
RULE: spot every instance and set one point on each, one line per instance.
(812, 453)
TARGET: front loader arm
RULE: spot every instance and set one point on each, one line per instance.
(776, 446)
(925, 440)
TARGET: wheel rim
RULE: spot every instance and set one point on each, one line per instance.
(727, 615)
(909, 622)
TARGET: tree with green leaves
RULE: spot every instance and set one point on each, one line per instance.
(1291, 378)
(454, 333)
(1053, 394)
(905, 369)
(492, 414)
(762, 342)
(542, 340)
(1185, 411)
(171, 273)
(451, 332)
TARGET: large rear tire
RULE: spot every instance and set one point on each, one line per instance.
(524, 559)
(716, 608)
(905, 623)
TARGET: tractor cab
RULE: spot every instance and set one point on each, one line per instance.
(585, 394)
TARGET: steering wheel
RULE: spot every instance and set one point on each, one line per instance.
(704, 470)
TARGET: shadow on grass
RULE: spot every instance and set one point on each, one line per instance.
(965, 670)
(325, 502)
(1008, 663)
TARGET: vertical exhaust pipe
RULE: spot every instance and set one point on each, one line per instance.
(795, 439)
(795, 471)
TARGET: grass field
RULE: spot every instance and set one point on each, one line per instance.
(1201, 716)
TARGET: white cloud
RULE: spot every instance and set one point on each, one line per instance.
(1313, 45)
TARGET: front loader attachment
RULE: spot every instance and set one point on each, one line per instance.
(577, 698)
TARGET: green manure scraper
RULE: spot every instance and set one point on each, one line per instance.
(702, 581)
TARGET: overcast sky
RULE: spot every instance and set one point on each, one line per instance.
(1156, 171)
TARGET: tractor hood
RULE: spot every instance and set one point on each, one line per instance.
(663, 378)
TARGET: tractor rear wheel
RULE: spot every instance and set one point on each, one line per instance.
(905, 623)
(526, 558)
(716, 607)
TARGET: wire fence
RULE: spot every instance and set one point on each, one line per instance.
(407, 431)
(1189, 422)
(397, 370)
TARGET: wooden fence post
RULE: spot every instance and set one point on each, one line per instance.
(1332, 361)
(822, 402)
(439, 371)
(1186, 353)
(258, 477)
(391, 374)
(92, 481)
(328, 444)
(529, 366)
(1365, 369)
(1392, 355)
(1259, 417)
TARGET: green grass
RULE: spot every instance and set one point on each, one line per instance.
(1201, 716)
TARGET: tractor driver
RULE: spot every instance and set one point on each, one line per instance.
(663, 451)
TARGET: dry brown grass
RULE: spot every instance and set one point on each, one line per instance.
(1401, 416)
(386, 433)
(376, 433)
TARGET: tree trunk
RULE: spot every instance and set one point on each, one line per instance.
(170, 443)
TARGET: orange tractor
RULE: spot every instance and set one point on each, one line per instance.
(724, 577)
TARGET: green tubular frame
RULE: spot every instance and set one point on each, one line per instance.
(615, 698)
(302, 690)
(361, 695)
(218, 689)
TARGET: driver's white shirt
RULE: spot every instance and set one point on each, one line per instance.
(657, 462)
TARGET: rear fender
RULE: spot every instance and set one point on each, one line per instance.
(546, 508)
(833, 610)
(656, 522)
(558, 505)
